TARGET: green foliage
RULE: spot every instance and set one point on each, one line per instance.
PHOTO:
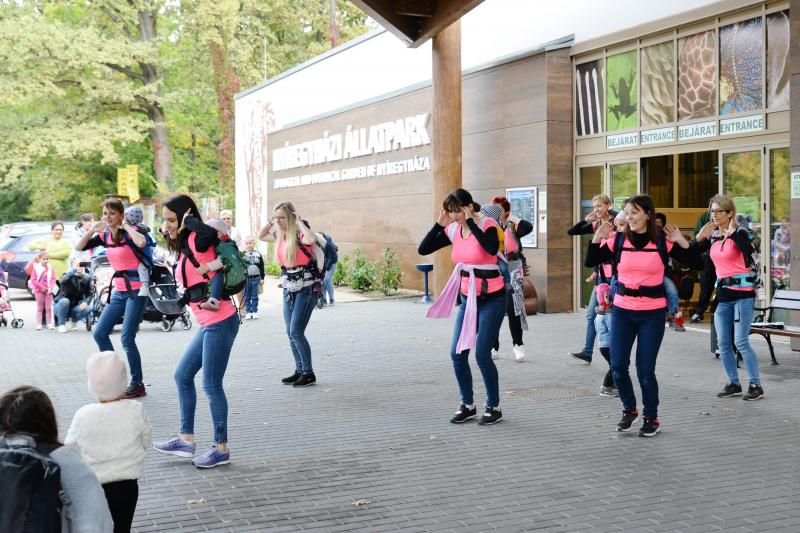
(389, 272)
(364, 274)
(341, 277)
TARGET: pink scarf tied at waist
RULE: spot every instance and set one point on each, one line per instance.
(447, 300)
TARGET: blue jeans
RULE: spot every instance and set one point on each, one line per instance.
(217, 286)
(602, 324)
(63, 310)
(588, 344)
(251, 294)
(673, 301)
(490, 317)
(131, 305)
(626, 326)
(297, 308)
(209, 349)
(734, 319)
(327, 284)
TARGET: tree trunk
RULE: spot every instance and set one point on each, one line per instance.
(226, 84)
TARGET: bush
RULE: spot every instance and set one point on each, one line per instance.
(271, 267)
(364, 274)
(390, 273)
(341, 276)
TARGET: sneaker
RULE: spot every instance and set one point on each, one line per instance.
(62, 329)
(627, 420)
(679, 328)
(50, 326)
(305, 379)
(754, 392)
(254, 316)
(519, 353)
(650, 426)
(135, 390)
(38, 327)
(696, 318)
(291, 379)
(491, 415)
(731, 389)
(464, 413)
(582, 356)
(332, 303)
(495, 354)
(670, 319)
(176, 446)
(74, 326)
(609, 391)
(212, 457)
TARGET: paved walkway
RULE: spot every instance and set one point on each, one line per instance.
(369, 447)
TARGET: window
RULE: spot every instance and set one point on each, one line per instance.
(697, 178)
(697, 76)
(658, 84)
(740, 67)
(589, 81)
(777, 59)
(621, 92)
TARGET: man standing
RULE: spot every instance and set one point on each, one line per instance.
(227, 217)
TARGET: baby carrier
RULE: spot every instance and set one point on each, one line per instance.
(316, 265)
(144, 255)
(752, 261)
(644, 291)
(234, 271)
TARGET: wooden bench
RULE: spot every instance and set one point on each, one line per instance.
(789, 300)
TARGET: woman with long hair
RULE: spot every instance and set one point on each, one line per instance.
(193, 243)
(639, 255)
(477, 279)
(731, 253)
(123, 245)
(27, 413)
(299, 275)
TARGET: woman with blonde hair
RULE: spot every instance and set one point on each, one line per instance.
(731, 252)
(299, 273)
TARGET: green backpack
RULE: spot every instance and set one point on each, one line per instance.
(234, 269)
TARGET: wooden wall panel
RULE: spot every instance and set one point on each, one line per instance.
(794, 136)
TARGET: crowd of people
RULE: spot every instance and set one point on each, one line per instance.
(102, 456)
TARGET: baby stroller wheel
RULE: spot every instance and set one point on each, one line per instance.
(3, 322)
(166, 325)
(17, 323)
(90, 321)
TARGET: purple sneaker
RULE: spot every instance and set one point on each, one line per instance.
(176, 446)
(212, 457)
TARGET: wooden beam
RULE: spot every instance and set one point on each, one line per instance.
(446, 139)
(447, 12)
(383, 12)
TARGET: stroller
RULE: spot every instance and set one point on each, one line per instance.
(5, 304)
(162, 305)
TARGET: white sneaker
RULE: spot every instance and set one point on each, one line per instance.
(519, 353)
(38, 327)
(62, 329)
(248, 316)
(495, 354)
(254, 316)
(50, 326)
(74, 327)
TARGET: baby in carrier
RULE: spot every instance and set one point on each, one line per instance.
(217, 283)
(605, 290)
(134, 216)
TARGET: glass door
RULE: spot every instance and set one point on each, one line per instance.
(592, 183)
(780, 253)
(624, 182)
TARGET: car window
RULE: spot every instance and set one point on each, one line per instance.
(20, 244)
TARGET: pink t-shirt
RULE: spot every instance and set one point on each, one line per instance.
(300, 258)
(636, 269)
(729, 261)
(470, 252)
(121, 258)
(509, 242)
(205, 317)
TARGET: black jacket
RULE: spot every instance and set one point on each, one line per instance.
(77, 288)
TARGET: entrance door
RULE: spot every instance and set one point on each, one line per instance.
(779, 240)
(624, 182)
(592, 183)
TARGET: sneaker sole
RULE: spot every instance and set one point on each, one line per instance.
(753, 399)
(653, 434)
(482, 423)
(225, 462)
(134, 396)
(729, 395)
(579, 359)
(470, 417)
(305, 385)
(187, 455)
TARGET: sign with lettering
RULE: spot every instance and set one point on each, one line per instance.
(741, 125)
(622, 140)
(523, 206)
(795, 185)
(697, 131)
(661, 135)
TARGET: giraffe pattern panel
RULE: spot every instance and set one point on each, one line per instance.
(697, 76)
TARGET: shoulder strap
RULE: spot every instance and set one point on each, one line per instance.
(619, 242)
(662, 249)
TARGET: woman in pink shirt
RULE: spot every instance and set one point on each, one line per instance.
(639, 256)
(731, 253)
(123, 244)
(210, 349)
(476, 278)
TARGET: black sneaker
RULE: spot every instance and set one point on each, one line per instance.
(627, 419)
(136, 390)
(650, 426)
(754, 392)
(305, 379)
(582, 356)
(464, 413)
(609, 391)
(696, 318)
(491, 415)
(731, 389)
(291, 379)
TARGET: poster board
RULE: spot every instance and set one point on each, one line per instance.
(524, 203)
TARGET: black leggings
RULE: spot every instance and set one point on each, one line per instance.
(514, 323)
(122, 497)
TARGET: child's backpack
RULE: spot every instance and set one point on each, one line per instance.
(317, 261)
(36, 502)
(234, 267)
(331, 250)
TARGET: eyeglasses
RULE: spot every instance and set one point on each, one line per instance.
(280, 218)
(719, 211)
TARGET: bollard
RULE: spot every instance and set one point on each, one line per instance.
(425, 268)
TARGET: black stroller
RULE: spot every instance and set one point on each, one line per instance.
(162, 305)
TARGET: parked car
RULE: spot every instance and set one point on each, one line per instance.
(21, 228)
(14, 255)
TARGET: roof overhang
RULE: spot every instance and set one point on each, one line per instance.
(416, 21)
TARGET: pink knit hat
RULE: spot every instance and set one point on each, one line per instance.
(108, 376)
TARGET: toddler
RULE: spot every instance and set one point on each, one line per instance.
(134, 216)
(112, 436)
(42, 283)
(217, 283)
(4, 306)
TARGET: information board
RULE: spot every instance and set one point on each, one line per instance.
(524, 204)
